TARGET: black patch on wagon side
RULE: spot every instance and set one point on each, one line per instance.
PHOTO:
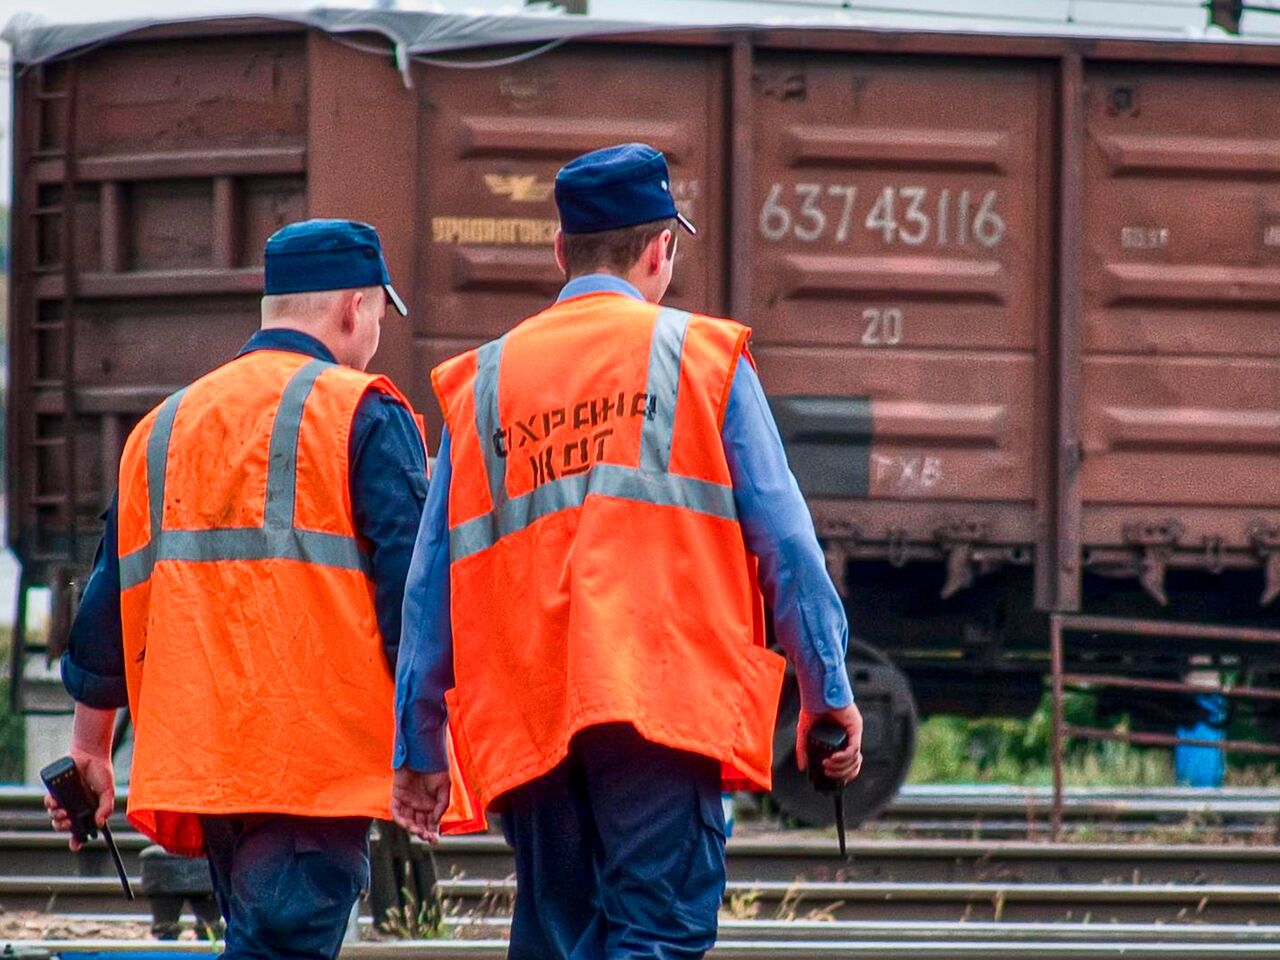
(828, 441)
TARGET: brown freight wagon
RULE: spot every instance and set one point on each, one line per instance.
(1014, 298)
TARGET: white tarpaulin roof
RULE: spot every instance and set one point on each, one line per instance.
(418, 33)
(414, 33)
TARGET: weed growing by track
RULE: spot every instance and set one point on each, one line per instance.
(12, 729)
(1015, 751)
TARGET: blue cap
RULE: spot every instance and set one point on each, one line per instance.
(616, 187)
(314, 255)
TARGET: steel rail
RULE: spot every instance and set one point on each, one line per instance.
(792, 856)
(1103, 893)
(995, 901)
(797, 855)
(962, 799)
(725, 950)
(1261, 901)
(856, 931)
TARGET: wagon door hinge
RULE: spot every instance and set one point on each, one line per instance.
(958, 539)
(1156, 541)
(897, 548)
(836, 553)
(1266, 540)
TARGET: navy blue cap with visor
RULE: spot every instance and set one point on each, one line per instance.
(616, 187)
(314, 255)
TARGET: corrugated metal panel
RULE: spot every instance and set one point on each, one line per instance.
(1182, 364)
(491, 143)
(899, 258)
(180, 158)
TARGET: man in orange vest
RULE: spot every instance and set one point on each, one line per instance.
(246, 598)
(584, 604)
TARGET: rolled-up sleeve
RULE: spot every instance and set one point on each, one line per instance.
(93, 666)
(425, 669)
(808, 618)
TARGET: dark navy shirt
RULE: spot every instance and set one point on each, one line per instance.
(388, 477)
(808, 617)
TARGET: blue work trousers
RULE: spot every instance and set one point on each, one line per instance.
(619, 852)
(286, 885)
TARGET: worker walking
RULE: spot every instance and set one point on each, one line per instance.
(246, 601)
(585, 596)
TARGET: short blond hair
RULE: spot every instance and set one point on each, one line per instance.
(307, 307)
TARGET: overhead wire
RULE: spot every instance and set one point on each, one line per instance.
(854, 5)
(851, 6)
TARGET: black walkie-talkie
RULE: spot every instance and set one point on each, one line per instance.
(62, 780)
(826, 738)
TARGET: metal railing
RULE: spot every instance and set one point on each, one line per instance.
(1062, 623)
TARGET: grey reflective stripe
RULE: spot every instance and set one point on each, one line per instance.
(665, 351)
(488, 423)
(158, 458)
(282, 456)
(248, 543)
(135, 567)
(277, 539)
(604, 480)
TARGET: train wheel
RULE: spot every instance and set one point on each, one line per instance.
(888, 742)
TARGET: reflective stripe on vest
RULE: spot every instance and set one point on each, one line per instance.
(277, 538)
(651, 482)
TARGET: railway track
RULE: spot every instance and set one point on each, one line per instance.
(794, 855)
(841, 900)
(855, 931)
(978, 812)
(994, 902)
(793, 884)
(896, 949)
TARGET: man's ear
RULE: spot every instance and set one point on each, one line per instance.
(559, 248)
(656, 252)
(351, 311)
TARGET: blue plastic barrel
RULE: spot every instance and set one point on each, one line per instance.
(1203, 766)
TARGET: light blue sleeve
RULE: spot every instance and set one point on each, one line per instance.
(425, 667)
(808, 618)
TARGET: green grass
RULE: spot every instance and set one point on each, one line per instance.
(12, 729)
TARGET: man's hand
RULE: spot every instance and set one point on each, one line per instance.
(100, 780)
(845, 765)
(419, 800)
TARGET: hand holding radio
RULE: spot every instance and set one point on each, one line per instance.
(77, 805)
(95, 803)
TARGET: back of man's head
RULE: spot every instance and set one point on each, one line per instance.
(612, 251)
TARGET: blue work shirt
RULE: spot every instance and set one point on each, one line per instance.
(388, 477)
(808, 617)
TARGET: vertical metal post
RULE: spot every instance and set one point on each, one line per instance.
(110, 450)
(18, 646)
(741, 182)
(1058, 733)
(114, 257)
(225, 223)
(70, 290)
(1070, 347)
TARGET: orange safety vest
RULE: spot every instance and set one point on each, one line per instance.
(598, 572)
(254, 663)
